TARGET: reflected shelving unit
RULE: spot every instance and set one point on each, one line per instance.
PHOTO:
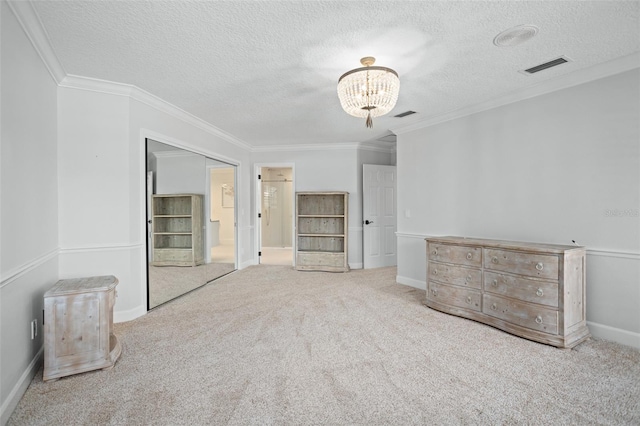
(177, 230)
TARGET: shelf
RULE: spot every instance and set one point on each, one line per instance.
(322, 235)
(320, 251)
(172, 233)
(320, 215)
(173, 215)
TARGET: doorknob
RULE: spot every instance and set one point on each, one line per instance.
(366, 222)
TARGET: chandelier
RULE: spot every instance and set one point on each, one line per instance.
(368, 91)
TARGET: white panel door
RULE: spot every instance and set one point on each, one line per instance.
(379, 215)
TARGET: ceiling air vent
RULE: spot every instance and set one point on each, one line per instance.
(404, 114)
(559, 61)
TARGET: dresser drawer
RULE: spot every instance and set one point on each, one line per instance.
(527, 315)
(461, 255)
(454, 296)
(533, 265)
(458, 275)
(542, 292)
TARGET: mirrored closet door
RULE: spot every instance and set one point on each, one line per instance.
(191, 221)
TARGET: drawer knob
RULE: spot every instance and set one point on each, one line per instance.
(494, 283)
(435, 252)
(539, 293)
(469, 256)
(538, 319)
(468, 299)
(494, 259)
(435, 272)
(434, 292)
(468, 279)
(539, 266)
(494, 307)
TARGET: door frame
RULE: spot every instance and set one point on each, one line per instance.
(258, 206)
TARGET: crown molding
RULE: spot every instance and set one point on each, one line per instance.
(605, 69)
(307, 147)
(384, 147)
(140, 95)
(34, 29)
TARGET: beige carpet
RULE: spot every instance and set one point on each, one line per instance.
(269, 345)
(168, 282)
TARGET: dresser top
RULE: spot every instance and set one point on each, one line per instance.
(82, 285)
(513, 245)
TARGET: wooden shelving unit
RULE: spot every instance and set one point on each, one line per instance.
(177, 230)
(321, 231)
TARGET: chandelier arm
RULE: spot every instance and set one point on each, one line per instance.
(367, 68)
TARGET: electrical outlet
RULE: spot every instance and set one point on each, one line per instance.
(34, 329)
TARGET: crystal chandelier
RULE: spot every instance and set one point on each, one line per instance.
(368, 91)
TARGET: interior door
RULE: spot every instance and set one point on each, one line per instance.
(379, 215)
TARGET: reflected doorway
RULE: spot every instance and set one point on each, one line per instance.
(182, 221)
(221, 226)
(276, 215)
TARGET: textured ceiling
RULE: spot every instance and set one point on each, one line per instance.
(266, 71)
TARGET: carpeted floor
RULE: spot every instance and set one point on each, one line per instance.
(270, 345)
(168, 282)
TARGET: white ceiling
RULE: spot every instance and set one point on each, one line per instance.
(266, 71)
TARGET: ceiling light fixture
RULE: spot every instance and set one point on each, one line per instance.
(368, 91)
(515, 36)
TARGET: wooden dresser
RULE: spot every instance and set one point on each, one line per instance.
(78, 326)
(535, 291)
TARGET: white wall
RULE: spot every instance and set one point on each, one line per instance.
(331, 169)
(180, 173)
(102, 160)
(29, 206)
(547, 169)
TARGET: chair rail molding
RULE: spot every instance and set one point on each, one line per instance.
(25, 268)
(622, 254)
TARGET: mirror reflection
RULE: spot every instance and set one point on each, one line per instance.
(191, 221)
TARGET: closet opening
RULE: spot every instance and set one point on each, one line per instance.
(191, 221)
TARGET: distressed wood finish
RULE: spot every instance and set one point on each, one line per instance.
(321, 231)
(536, 291)
(177, 230)
(78, 326)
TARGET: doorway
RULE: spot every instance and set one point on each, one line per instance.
(276, 215)
(221, 225)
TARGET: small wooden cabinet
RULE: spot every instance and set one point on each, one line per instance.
(78, 326)
(321, 231)
(535, 291)
(177, 230)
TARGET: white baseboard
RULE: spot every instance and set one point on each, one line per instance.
(131, 314)
(247, 263)
(421, 285)
(20, 388)
(356, 266)
(613, 334)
